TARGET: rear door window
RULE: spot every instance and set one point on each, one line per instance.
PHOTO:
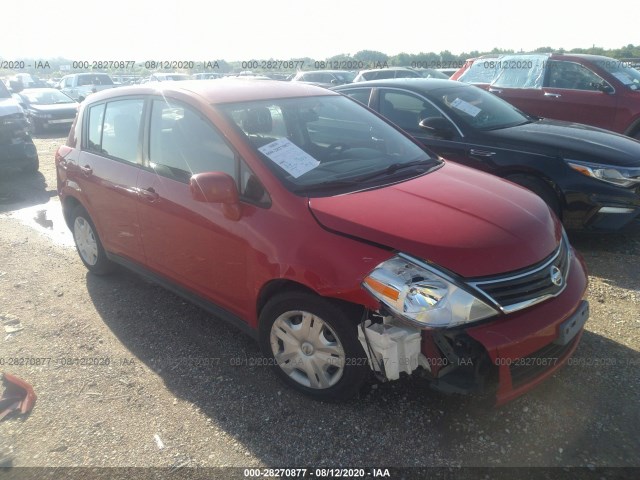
(113, 129)
(361, 95)
(571, 75)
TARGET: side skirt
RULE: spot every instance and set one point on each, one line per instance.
(206, 305)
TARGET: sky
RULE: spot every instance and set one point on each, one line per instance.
(283, 29)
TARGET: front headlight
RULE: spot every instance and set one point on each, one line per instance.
(39, 114)
(620, 176)
(423, 297)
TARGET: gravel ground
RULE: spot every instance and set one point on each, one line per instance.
(180, 390)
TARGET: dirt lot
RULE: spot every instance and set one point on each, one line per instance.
(173, 387)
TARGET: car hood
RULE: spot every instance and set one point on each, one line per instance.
(466, 221)
(60, 107)
(8, 106)
(571, 140)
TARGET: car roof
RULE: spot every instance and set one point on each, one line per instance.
(386, 69)
(221, 91)
(325, 71)
(415, 84)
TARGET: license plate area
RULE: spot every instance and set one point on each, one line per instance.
(571, 326)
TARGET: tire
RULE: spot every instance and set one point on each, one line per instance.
(334, 373)
(88, 243)
(32, 167)
(540, 188)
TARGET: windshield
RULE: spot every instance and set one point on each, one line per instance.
(46, 97)
(622, 70)
(327, 141)
(481, 71)
(346, 76)
(478, 108)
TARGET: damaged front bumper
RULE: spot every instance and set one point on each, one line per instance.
(509, 355)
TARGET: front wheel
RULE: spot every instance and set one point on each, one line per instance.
(88, 243)
(313, 346)
(540, 188)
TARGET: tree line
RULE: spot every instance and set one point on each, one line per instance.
(60, 66)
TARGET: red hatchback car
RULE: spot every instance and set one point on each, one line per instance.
(590, 89)
(326, 233)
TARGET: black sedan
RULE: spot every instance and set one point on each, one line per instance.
(47, 109)
(589, 177)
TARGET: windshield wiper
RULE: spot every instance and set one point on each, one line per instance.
(389, 170)
(394, 167)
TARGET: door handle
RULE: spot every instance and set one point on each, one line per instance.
(495, 90)
(554, 95)
(149, 194)
(481, 153)
(87, 170)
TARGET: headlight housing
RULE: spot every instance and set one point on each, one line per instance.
(422, 296)
(620, 176)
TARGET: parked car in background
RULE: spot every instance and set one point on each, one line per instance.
(283, 77)
(47, 109)
(591, 89)
(588, 176)
(80, 85)
(168, 77)
(16, 146)
(325, 78)
(326, 233)
(206, 76)
(430, 73)
(447, 72)
(20, 81)
(385, 73)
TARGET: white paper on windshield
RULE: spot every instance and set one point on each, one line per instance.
(465, 107)
(293, 159)
(623, 77)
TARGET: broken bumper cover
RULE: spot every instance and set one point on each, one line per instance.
(512, 354)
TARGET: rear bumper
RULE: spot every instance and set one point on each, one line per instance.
(518, 351)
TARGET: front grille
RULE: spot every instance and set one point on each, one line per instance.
(526, 369)
(526, 287)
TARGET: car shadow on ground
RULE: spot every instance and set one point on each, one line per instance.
(611, 257)
(577, 417)
(51, 134)
(19, 190)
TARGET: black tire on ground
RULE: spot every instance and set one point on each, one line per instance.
(312, 345)
(88, 243)
(32, 167)
(540, 188)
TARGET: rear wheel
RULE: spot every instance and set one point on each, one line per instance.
(88, 243)
(313, 346)
(540, 188)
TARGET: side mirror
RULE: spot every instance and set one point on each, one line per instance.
(217, 187)
(603, 87)
(437, 126)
